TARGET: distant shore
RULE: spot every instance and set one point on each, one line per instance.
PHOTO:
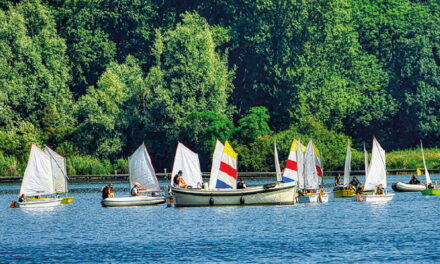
(164, 176)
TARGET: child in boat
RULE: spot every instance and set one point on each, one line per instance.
(355, 182)
(338, 180)
(379, 189)
(135, 190)
(22, 198)
(107, 191)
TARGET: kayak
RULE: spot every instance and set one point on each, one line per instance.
(406, 187)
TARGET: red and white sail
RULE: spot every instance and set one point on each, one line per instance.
(294, 163)
(227, 175)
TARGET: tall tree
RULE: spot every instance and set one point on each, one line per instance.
(34, 72)
(189, 75)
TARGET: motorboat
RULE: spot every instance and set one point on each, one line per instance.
(407, 187)
(222, 189)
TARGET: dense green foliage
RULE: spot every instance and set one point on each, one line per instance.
(94, 79)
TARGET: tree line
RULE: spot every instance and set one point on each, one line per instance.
(94, 79)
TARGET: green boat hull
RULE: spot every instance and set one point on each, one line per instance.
(431, 192)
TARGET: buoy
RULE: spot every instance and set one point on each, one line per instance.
(12, 205)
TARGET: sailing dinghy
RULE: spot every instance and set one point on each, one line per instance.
(222, 189)
(376, 178)
(140, 171)
(37, 187)
(431, 189)
(345, 190)
(312, 178)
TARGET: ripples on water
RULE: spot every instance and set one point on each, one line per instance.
(403, 230)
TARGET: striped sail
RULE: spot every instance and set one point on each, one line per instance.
(216, 160)
(300, 154)
(318, 162)
(290, 173)
(227, 175)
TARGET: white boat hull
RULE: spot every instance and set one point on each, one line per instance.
(406, 187)
(269, 194)
(132, 201)
(39, 203)
(313, 198)
(373, 197)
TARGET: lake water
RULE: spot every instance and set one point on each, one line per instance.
(403, 230)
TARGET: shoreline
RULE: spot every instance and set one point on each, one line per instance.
(165, 176)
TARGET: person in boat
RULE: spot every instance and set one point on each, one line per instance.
(22, 198)
(414, 180)
(338, 180)
(135, 190)
(355, 182)
(175, 181)
(180, 181)
(380, 189)
(107, 191)
(241, 184)
(430, 185)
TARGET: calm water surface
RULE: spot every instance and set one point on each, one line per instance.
(403, 230)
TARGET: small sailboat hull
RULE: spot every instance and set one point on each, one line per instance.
(343, 193)
(373, 197)
(431, 192)
(313, 198)
(269, 194)
(132, 201)
(406, 187)
(67, 200)
(37, 203)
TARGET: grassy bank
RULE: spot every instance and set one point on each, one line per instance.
(88, 165)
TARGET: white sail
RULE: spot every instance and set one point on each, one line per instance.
(311, 177)
(428, 178)
(216, 160)
(300, 162)
(277, 161)
(377, 169)
(188, 162)
(141, 170)
(59, 171)
(366, 161)
(37, 177)
(347, 167)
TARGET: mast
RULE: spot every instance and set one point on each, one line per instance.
(427, 177)
(365, 161)
(277, 161)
